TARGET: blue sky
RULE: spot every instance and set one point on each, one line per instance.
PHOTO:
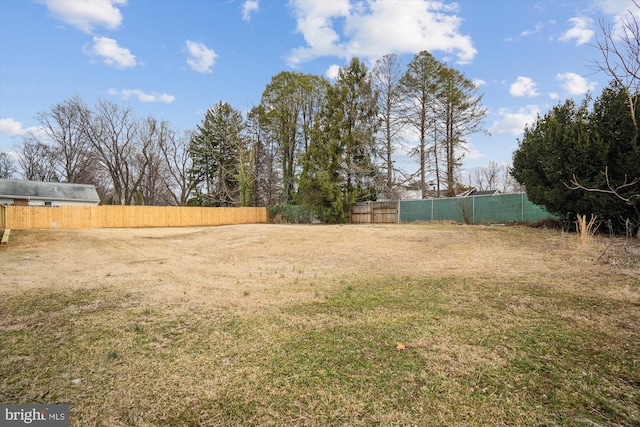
(173, 59)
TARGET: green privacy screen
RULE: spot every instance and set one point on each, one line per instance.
(474, 210)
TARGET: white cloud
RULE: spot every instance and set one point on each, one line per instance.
(248, 8)
(523, 86)
(615, 8)
(84, 15)
(537, 28)
(479, 82)
(11, 127)
(582, 30)
(575, 84)
(620, 11)
(142, 96)
(377, 27)
(470, 152)
(314, 21)
(201, 58)
(111, 53)
(332, 72)
(513, 123)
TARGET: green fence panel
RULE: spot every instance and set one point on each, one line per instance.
(416, 210)
(474, 210)
(533, 213)
(453, 209)
(498, 208)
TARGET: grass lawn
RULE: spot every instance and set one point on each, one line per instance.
(561, 348)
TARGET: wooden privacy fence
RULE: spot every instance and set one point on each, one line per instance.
(29, 217)
(375, 213)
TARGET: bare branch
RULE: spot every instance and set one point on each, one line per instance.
(621, 56)
(575, 185)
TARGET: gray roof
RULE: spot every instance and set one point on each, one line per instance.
(16, 189)
(474, 192)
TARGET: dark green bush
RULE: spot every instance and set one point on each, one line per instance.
(289, 214)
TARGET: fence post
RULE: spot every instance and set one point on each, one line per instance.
(473, 210)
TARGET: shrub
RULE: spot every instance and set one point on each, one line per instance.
(289, 214)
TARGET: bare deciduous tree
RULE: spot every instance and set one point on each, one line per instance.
(509, 183)
(175, 151)
(7, 166)
(37, 161)
(613, 190)
(112, 131)
(266, 178)
(487, 177)
(632, 199)
(70, 150)
(620, 48)
(151, 169)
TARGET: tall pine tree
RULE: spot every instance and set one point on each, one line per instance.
(215, 152)
(340, 158)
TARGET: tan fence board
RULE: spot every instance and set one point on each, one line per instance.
(374, 213)
(70, 217)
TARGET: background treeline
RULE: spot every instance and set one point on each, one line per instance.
(324, 146)
(130, 160)
(321, 144)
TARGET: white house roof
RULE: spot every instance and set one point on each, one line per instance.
(36, 190)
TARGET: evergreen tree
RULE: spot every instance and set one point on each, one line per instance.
(321, 178)
(352, 120)
(215, 150)
(444, 107)
(338, 169)
(386, 80)
(549, 153)
(571, 144)
(462, 114)
(421, 85)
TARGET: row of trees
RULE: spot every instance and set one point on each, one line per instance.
(329, 145)
(130, 160)
(310, 141)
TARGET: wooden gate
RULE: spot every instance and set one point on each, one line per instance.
(375, 213)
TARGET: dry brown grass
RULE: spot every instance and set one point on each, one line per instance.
(299, 324)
